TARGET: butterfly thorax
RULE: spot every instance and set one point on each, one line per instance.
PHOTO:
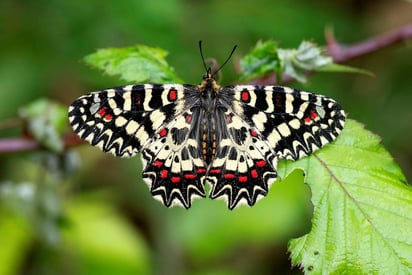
(209, 92)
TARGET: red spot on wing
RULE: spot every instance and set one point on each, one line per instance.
(228, 118)
(253, 133)
(102, 111)
(254, 174)
(163, 132)
(278, 101)
(164, 173)
(201, 170)
(242, 179)
(172, 96)
(229, 176)
(313, 114)
(158, 163)
(215, 171)
(261, 163)
(188, 118)
(138, 99)
(108, 117)
(189, 176)
(245, 96)
(175, 179)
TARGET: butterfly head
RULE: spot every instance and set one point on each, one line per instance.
(208, 84)
(209, 79)
(208, 75)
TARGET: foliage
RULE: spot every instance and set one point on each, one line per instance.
(262, 60)
(362, 208)
(266, 58)
(46, 121)
(139, 64)
(142, 64)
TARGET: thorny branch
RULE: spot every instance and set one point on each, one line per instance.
(339, 52)
(342, 53)
(22, 144)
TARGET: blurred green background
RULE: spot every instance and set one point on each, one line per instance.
(85, 212)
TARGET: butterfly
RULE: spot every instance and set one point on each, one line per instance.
(188, 135)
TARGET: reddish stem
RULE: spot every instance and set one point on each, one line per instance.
(23, 144)
(342, 53)
(8, 145)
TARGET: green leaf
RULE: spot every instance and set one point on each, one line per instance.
(344, 69)
(262, 60)
(46, 121)
(307, 57)
(134, 64)
(267, 58)
(362, 209)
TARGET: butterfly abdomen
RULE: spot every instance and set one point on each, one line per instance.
(208, 140)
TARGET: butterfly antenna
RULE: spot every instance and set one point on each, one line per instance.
(227, 59)
(201, 54)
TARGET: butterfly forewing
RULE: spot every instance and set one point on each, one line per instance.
(123, 120)
(295, 123)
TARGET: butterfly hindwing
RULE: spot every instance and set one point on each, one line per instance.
(244, 166)
(172, 164)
